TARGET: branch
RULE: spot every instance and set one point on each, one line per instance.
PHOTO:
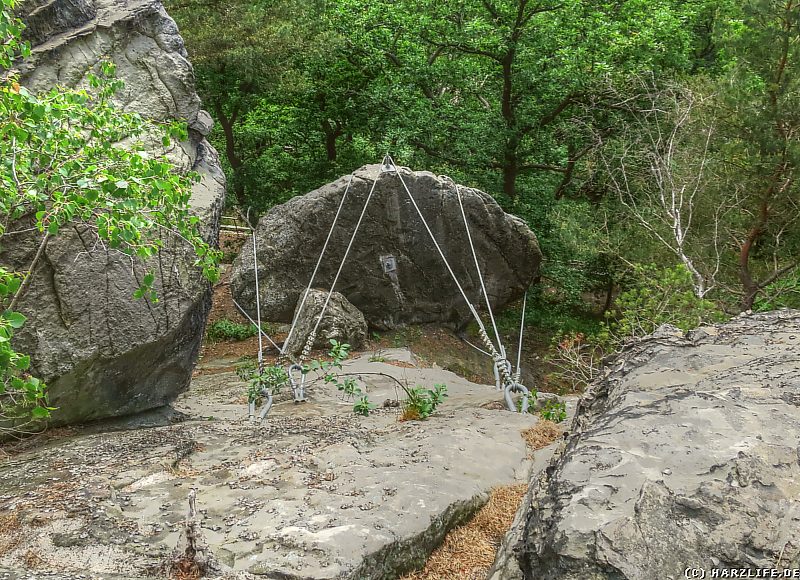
(570, 99)
(540, 167)
(29, 274)
(538, 10)
(388, 376)
(463, 48)
(777, 274)
(433, 153)
(491, 8)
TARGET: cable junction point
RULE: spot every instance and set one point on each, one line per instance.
(507, 379)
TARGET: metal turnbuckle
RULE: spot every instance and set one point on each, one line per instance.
(298, 384)
(516, 388)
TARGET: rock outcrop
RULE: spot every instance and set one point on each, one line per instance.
(342, 322)
(685, 455)
(393, 273)
(101, 352)
(315, 493)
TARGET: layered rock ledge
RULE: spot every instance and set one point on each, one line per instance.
(685, 455)
(315, 493)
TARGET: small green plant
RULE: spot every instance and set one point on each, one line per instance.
(246, 368)
(531, 398)
(339, 352)
(349, 386)
(272, 379)
(377, 356)
(363, 407)
(421, 403)
(555, 411)
(228, 330)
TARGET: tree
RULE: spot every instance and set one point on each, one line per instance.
(61, 166)
(242, 52)
(503, 85)
(761, 95)
(658, 166)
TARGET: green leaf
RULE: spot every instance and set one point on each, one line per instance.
(15, 319)
(40, 413)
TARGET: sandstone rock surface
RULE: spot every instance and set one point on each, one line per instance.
(315, 493)
(342, 322)
(101, 352)
(686, 455)
(393, 274)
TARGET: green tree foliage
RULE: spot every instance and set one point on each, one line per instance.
(506, 89)
(61, 166)
(706, 165)
(760, 109)
(284, 107)
(586, 119)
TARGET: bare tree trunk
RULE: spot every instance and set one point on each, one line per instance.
(231, 154)
(332, 132)
(750, 287)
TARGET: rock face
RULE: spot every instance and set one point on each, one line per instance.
(101, 352)
(342, 321)
(315, 493)
(393, 273)
(685, 455)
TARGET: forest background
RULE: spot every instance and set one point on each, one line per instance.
(651, 145)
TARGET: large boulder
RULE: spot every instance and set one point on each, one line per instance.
(342, 322)
(101, 352)
(393, 273)
(684, 456)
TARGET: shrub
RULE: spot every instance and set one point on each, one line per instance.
(363, 407)
(555, 411)
(659, 296)
(229, 330)
(421, 403)
(783, 293)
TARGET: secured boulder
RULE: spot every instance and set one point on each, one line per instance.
(101, 352)
(342, 322)
(393, 274)
(685, 456)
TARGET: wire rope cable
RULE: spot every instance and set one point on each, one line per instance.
(316, 268)
(477, 265)
(312, 336)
